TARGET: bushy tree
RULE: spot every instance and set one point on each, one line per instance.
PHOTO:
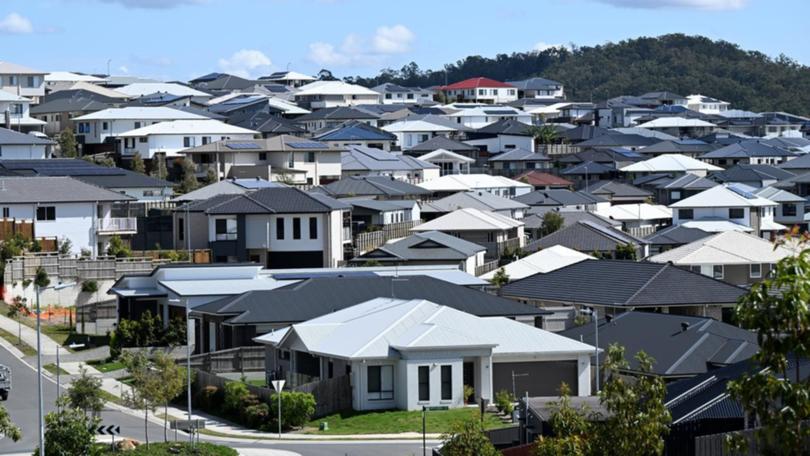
(626, 252)
(118, 248)
(170, 383)
(571, 428)
(16, 311)
(85, 394)
(500, 278)
(68, 431)
(189, 178)
(544, 134)
(66, 246)
(7, 426)
(146, 389)
(137, 163)
(159, 170)
(67, 143)
(41, 278)
(773, 395)
(552, 221)
(467, 438)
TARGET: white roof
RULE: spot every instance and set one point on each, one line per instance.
(723, 196)
(13, 68)
(711, 225)
(221, 287)
(141, 113)
(638, 211)
(8, 96)
(469, 219)
(334, 88)
(544, 261)
(375, 328)
(439, 155)
(697, 98)
(286, 106)
(140, 89)
(675, 122)
(90, 87)
(292, 76)
(670, 163)
(66, 76)
(481, 111)
(415, 125)
(189, 127)
(550, 109)
(729, 247)
(444, 272)
(646, 133)
(466, 182)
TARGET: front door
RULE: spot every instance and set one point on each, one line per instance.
(469, 377)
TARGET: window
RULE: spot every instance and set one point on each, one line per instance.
(490, 236)
(675, 195)
(29, 81)
(181, 228)
(45, 213)
(313, 228)
(755, 271)
(717, 271)
(280, 228)
(186, 141)
(736, 213)
(482, 92)
(424, 383)
(788, 210)
(225, 229)
(380, 383)
(262, 156)
(12, 80)
(104, 126)
(6, 213)
(206, 140)
(137, 125)
(387, 96)
(310, 157)
(447, 383)
(142, 139)
(410, 96)
(686, 214)
(296, 227)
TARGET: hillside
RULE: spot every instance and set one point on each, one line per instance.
(678, 63)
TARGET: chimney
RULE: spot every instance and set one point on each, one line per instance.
(684, 326)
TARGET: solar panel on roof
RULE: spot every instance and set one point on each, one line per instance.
(239, 146)
(307, 145)
(498, 111)
(311, 275)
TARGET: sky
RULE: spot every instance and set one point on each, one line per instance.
(183, 39)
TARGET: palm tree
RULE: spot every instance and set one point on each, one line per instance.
(544, 134)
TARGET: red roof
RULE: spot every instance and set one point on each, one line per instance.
(541, 179)
(474, 83)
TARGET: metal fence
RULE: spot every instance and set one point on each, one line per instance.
(486, 267)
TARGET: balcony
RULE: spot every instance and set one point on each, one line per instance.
(117, 225)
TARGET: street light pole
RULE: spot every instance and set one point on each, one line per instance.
(40, 415)
(188, 372)
(595, 317)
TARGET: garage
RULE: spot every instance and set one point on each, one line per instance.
(538, 378)
(289, 260)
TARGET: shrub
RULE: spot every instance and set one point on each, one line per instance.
(297, 408)
(257, 416)
(210, 399)
(469, 394)
(504, 402)
(236, 393)
(89, 286)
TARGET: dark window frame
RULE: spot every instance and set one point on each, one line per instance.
(423, 383)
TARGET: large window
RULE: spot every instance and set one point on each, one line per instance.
(736, 213)
(225, 229)
(280, 228)
(313, 228)
(296, 227)
(789, 210)
(756, 271)
(186, 141)
(447, 383)
(45, 213)
(380, 383)
(717, 271)
(424, 383)
(686, 214)
(181, 229)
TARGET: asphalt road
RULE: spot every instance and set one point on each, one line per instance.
(22, 406)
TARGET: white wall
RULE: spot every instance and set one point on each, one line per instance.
(172, 144)
(503, 143)
(74, 221)
(22, 152)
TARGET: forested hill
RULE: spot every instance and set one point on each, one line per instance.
(678, 63)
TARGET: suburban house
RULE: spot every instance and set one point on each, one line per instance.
(410, 132)
(283, 158)
(277, 227)
(375, 187)
(496, 232)
(516, 161)
(480, 199)
(733, 256)
(20, 146)
(480, 90)
(680, 126)
(65, 208)
(16, 112)
(639, 219)
(593, 238)
(356, 133)
(756, 176)
(673, 164)
(22, 81)
(226, 187)
(408, 354)
(141, 89)
(544, 261)
(368, 161)
(706, 105)
(645, 286)
(429, 247)
(448, 162)
(59, 109)
(689, 147)
(542, 180)
(563, 199)
(169, 138)
(289, 78)
(328, 118)
(373, 214)
(730, 204)
(752, 152)
(618, 192)
(481, 115)
(534, 222)
(444, 143)
(497, 185)
(503, 136)
(538, 88)
(668, 189)
(673, 236)
(397, 94)
(329, 94)
(105, 126)
(791, 209)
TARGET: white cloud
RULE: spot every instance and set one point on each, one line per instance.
(16, 24)
(693, 4)
(393, 40)
(541, 46)
(155, 4)
(356, 50)
(245, 62)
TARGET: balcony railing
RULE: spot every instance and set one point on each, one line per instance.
(117, 225)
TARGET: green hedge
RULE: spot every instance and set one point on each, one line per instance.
(235, 402)
(175, 449)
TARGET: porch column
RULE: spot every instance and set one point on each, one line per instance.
(485, 366)
(165, 313)
(584, 375)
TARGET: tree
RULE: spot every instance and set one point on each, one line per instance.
(85, 394)
(552, 221)
(170, 383)
(137, 164)
(67, 143)
(146, 392)
(66, 246)
(467, 438)
(16, 310)
(210, 175)
(7, 427)
(776, 309)
(159, 170)
(69, 431)
(625, 252)
(544, 134)
(189, 180)
(571, 429)
(41, 278)
(117, 248)
(326, 75)
(500, 278)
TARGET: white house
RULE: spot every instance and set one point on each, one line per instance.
(496, 232)
(497, 185)
(449, 162)
(410, 132)
(66, 208)
(22, 81)
(329, 94)
(369, 161)
(640, 219)
(289, 78)
(406, 354)
(397, 94)
(480, 90)
(18, 110)
(140, 89)
(671, 164)
(539, 88)
(96, 127)
(171, 137)
(706, 105)
(20, 146)
(478, 116)
(546, 260)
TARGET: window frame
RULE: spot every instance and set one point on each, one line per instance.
(722, 271)
(48, 215)
(313, 227)
(296, 228)
(380, 393)
(280, 229)
(751, 274)
(420, 383)
(446, 383)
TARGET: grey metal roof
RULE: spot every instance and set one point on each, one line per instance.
(749, 173)
(687, 181)
(587, 167)
(362, 158)
(305, 300)
(705, 343)
(11, 137)
(679, 147)
(38, 189)
(425, 246)
(802, 162)
(101, 176)
(519, 155)
(616, 190)
(276, 201)
(371, 186)
(557, 197)
(485, 201)
(616, 283)
(746, 149)
(338, 113)
(536, 83)
(79, 100)
(353, 131)
(586, 236)
(613, 139)
(442, 142)
(535, 220)
(676, 235)
(506, 127)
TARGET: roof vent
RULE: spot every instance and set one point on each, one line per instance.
(684, 326)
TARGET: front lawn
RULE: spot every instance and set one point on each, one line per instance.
(53, 369)
(397, 421)
(106, 366)
(176, 449)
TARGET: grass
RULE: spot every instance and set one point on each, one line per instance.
(106, 366)
(58, 332)
(175, 449)
(53, 369)
(397, 421)
(257, 382)
(26, 349)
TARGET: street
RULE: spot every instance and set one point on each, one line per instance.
(22, 406)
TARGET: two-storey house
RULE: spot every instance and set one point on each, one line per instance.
(480, 90)
(170, 137)
(22, 81)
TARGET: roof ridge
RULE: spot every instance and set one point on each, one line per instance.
(647, 283)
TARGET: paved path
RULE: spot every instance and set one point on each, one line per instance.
(29, 335)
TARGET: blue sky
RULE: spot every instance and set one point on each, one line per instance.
(181, 39)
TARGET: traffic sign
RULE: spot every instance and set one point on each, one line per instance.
(436, 408)
(278, 385)
(111, 429)
(185, 425)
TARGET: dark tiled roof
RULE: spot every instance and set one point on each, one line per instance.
(11, 137)
(588, 167)
(506, 127)
(276, 201)
(354, 131)
(427, 246)
(305, 300)
(441, 142)
(586, 236)
(746, 149)
(676, 235)
(371, 186)
(91, 173)
(615, 283)
(557, 197)
(748, 173)
(338, 113)
(617, 140)
(616, 190)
